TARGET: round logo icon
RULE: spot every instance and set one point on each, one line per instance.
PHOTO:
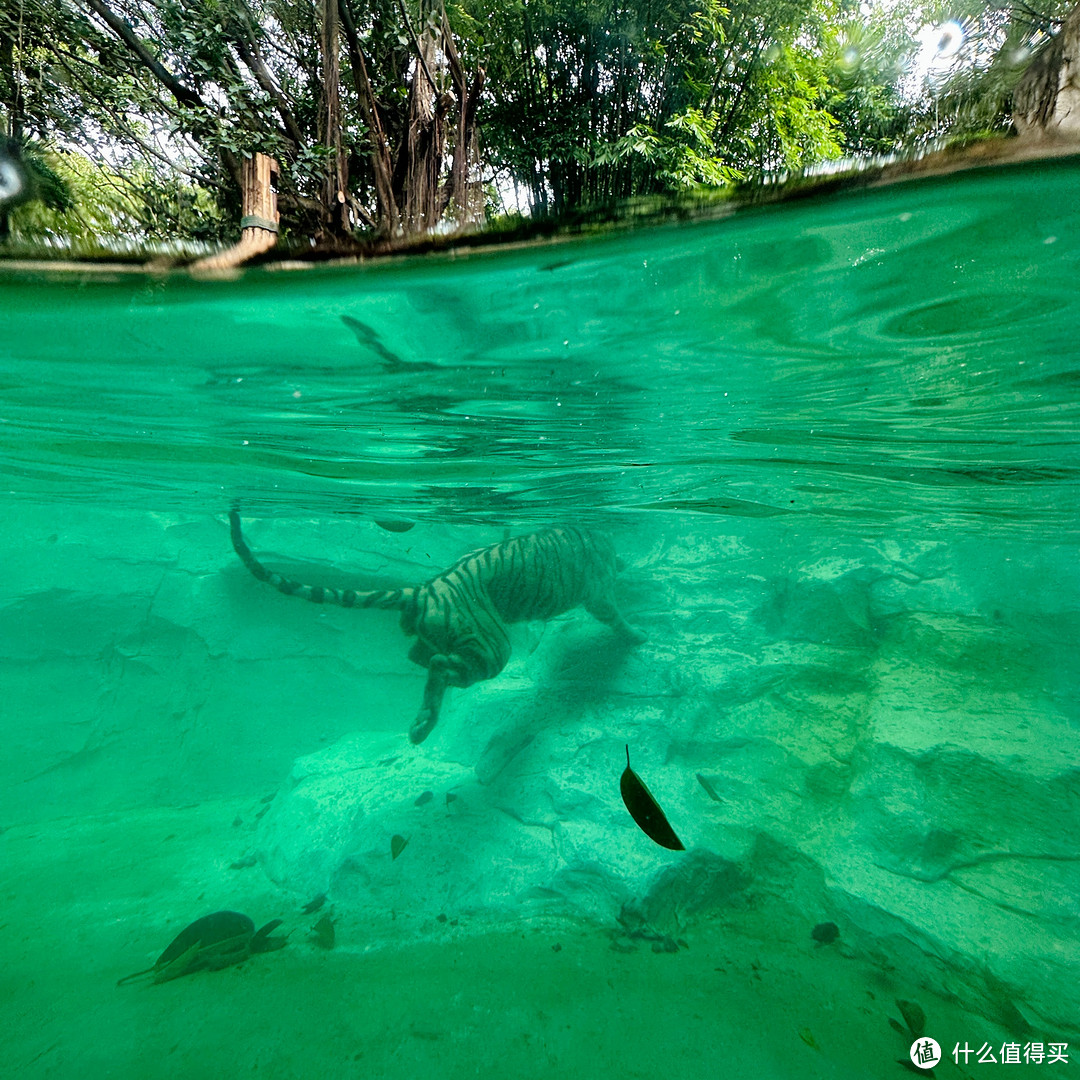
(925, 1053)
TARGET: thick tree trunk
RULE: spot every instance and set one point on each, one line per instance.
(1046, 101)
(461, 191)
(14, 106)
(425, 142)
(336, 186)
(386, 206)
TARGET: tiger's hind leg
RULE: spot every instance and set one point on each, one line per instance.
(605, 611)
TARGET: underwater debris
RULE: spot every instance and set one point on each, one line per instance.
(313, 905)
(645, 810)
(397, 845)
(215, 941)
(426, 797)
(825, 933)
(913, 1015)
(450, 797)
(807, 1037)
(709, 789)
(918, 1069)
(394, 525)
(244, 863)
(322, 933)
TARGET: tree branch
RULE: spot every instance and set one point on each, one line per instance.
(184, 94)
(250, 53)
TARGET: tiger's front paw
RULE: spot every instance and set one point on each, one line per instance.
(422, 725)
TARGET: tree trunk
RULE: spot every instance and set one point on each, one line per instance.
(461, 191)
(336, 185)
(1046, 101)
(382, 165)
(425, 141)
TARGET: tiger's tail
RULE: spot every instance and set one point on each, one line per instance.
(317, 594)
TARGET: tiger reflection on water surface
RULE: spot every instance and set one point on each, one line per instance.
(460, 616)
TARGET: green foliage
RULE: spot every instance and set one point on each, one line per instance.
(680, 156)
(48, 185)
(587, 103)
(970, 92)
(866, 61)
(691, 93)
(103, 209)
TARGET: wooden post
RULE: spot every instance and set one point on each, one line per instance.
(260, 222)
(259, 174)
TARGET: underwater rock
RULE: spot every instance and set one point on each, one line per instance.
(702, 881)
(891, 724)
(553, 823)
(337, 804)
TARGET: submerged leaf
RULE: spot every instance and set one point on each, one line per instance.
(397, 845)
(825, 933)
(706, 783)
(645, 810)
(210, 930)
(215, 941)
(913, 1015)
(322, 933)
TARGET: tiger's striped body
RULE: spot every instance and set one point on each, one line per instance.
(460, 616)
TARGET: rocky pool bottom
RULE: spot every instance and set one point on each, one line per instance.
(748, 993)
(881, 735)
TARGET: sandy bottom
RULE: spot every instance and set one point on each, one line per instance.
(87, 901)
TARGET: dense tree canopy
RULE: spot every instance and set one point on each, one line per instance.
(400, 116)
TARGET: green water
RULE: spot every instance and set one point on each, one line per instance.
(837, 445)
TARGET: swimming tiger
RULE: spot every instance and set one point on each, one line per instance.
(460, 616)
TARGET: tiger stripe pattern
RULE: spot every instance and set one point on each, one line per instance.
(460, 617)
